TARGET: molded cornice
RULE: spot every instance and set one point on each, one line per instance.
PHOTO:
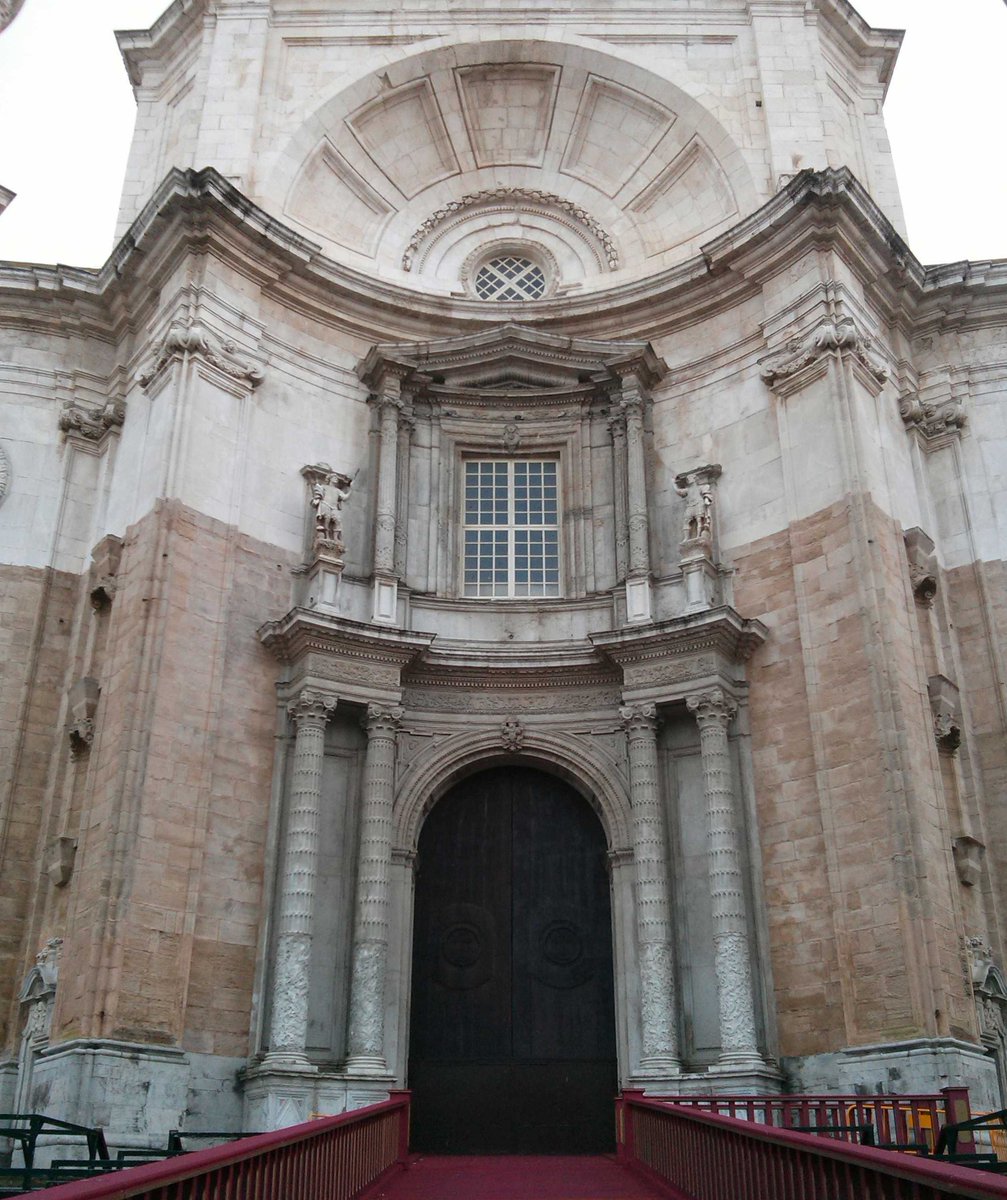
(199, 211)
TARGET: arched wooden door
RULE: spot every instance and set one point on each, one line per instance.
(512, 1034)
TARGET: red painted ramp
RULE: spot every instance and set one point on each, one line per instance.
(529, 1177)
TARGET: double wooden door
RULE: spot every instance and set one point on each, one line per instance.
(512, 1035)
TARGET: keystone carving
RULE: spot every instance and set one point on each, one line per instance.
(511, 735)
(190, 336)
(89, 421)
(932, 419)
(800, 352)
(329, 491)
(922, 566)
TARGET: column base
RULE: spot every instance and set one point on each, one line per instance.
(292, 1061)
(739, 1060)
(276, 1098)
(367, 1066)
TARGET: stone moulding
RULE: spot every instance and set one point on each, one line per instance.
(804, 351)
(516, 196)
(190, 336)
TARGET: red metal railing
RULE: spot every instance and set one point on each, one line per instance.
(894, 1118)
(704, 1156)
(331, 1158)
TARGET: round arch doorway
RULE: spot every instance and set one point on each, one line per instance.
(512, 1030)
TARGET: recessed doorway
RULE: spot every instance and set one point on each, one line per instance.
(512, 1032)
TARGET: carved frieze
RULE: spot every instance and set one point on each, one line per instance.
(91, 422)
(463, 700)
(191, 337)
(840, 336)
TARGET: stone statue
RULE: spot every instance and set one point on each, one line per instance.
(328, 491)
(697, 492)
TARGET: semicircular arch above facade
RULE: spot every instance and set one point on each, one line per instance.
(570, 155)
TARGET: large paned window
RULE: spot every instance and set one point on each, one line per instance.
(511, 528)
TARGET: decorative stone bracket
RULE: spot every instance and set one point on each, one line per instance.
(105, 559)
(91, 423)
(934, 418)
(968, 855)
(922, 566)
(946, 707)
(190, 336)
(839, 336)
(83, 702)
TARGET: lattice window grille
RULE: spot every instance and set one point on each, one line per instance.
(510, 277)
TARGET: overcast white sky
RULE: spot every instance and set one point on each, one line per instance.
(66, 113)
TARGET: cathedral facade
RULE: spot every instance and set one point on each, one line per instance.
(503, 583)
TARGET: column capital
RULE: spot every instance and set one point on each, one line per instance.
(712, 707)
(311, 708)
(639, 718)
(382, 719)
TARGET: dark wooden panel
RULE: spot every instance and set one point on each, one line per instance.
(512, 1037)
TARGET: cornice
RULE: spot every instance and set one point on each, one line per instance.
(304, 631)
(201, 207)
(719, 629)
(512, 668)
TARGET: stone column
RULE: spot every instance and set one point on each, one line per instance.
(310, 713)
(658, 990)
(638, 601)
(389, 404)
(617, 428)
(366, 1040)
(739, 1044)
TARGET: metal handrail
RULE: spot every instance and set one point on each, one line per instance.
(340, 1157)
(710, 1157)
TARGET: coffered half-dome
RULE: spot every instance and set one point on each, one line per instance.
(512, 171)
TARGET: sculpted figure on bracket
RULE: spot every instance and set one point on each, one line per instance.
(329, 491)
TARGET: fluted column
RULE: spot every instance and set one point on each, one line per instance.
(658, 990)
(310, 712)
(366, 1040)
(739, 1044)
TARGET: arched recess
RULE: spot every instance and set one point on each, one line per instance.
(383, 158)
(592, 772)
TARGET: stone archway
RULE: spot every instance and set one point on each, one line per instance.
(512, 1037)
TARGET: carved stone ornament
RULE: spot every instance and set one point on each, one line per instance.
(922, 566)
(511, 196)
(81, 733)
(39, 990)
(712, 707)
(311, 708)
(932, 419)
(968, 855)
(82, 703)
(190, 336)
(105, 559)
(5, 473)
(383, 719)
(329, 490)
(697, 490)
(90, 421)
(980, 958)
(945, 705)
(830, 335)
(511, 735)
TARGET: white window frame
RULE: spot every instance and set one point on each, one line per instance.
(550, 589)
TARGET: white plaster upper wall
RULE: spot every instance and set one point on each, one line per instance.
(232, 88)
